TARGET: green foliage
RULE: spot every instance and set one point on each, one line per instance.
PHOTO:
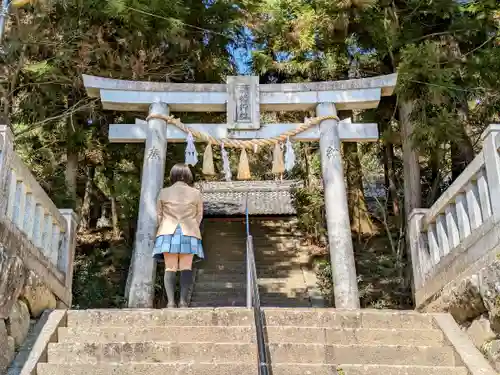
(325, 284)
(100, 275)
(310, 206)
(446, 53)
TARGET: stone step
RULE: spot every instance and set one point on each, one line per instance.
(170, 333)
(277, 291)
(155, 317)
(125, 352)
(219, 285)
(299, 369)
(257, 231)
(337, 318)
(261, 259)
(186, 368)
(262, 272)
(241, 302)
(285, 302)
(239, 244)
(361, 354)
(222, 278)
(265, 284)
(348, 336)
(219, 294)
(258, 236)
(272, 264)
(223, 265)
(239, 368)
(234, 302)
(225, 276)
(260, 250)
(271, 299)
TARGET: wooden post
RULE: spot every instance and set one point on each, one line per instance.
(66, 256)
(6, 151)
(421, 258)
(491, 144)
(140, 282)
(337, 213)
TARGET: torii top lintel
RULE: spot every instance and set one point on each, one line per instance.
(242, 96)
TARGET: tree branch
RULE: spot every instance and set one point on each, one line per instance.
(68, 112)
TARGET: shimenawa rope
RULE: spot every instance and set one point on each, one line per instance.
(248, 144)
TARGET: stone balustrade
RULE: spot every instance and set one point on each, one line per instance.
(37, 245)
(32, 228)
(30, 209)
(462, 226)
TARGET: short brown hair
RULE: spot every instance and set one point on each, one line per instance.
(181, 173)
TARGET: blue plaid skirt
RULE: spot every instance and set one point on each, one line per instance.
(177, 243)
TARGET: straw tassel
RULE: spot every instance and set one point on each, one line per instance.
(278, 163)
(208, 161)
(20, 3)
(243, 167)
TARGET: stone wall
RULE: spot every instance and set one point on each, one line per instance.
(474, 302)
(29, 284)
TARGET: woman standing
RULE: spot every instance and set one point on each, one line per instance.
(178, 239)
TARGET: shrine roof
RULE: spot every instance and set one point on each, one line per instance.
(264, 197)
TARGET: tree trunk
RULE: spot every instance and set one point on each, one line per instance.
(435, 166)
(462, 151)
(85, 212)
(358, 212)
(359, 216)
(306, 165)
(411, 166)
(114, 211)
(71, 161)
(462, 154)
(389, 169)
(71, 174)
(391, 177)
(411, 175)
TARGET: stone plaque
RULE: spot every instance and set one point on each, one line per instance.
(243, 110)
(242, 103)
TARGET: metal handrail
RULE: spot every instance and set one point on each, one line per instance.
(253, 295)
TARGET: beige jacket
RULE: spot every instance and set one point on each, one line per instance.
(181, 205)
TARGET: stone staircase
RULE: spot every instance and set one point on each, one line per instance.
(281, 265)
(223, 341)
(320, 341)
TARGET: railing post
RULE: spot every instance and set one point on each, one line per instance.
(249, 250)
(249, 277)
(6, 151)
(66, 254)
(491, 144)
(420, 258)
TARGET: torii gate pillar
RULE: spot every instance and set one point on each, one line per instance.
(345, 285)
(140, 281)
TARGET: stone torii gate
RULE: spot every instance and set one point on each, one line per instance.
(242, 98)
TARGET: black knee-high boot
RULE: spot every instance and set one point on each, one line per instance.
(170, 280)
(186, 281)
